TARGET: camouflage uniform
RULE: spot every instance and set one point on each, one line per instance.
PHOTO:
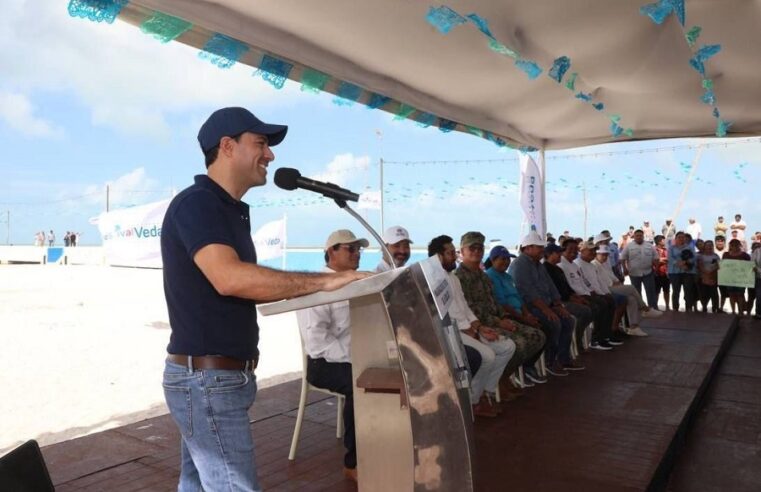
(477, 288)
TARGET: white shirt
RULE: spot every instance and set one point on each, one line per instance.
(574, 277)
(589, 271)
(740, 232)
(326, 330)
(383, 267)
(639, 258)
(459, 311)
(605, 274)
(694, 230)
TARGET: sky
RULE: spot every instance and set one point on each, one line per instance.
(86, 106)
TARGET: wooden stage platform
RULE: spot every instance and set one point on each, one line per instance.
(619, 425)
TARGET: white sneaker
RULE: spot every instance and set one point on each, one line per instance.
(652, 313)
(636, 332)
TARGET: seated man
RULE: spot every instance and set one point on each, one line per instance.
(398, 242)
(603, 307)
(635, 305)
(574, 303)
(478, 292)
(327, 339)
(495, 351)
(591, 274)
(537, 290)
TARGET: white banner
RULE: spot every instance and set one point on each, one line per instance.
(532, 194)
(132, 236)
(269, 240)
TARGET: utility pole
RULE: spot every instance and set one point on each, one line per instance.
(586, 208)
(7, 227)
(108, 191)
(379, 134)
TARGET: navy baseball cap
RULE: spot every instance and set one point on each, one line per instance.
(500, 252)
(230, 122)
(552, 248)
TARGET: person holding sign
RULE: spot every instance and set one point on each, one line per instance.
(736, 294)
(708, 269)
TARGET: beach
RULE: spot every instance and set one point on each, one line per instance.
(83, 349)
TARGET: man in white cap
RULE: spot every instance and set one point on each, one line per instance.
(327, 338)
(398, 242)
(648, 232)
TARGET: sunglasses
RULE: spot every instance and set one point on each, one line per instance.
(352, 248)
(476, 247)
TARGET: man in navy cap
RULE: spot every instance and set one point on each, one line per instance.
(212, 284)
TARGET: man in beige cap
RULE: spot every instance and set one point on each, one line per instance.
(398, 242)
(327, 338)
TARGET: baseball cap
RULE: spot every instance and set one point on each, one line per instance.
(587, 245)
(603, 250)
(500, 251)
(229, 122)
(533, 239)
(344, 236)
(471, 237)
(601, 237)
(395, 234)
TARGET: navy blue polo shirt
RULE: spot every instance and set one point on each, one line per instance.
(203, 321)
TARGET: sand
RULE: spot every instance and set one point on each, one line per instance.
(82, 349)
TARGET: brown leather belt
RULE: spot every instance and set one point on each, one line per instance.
(213, 362)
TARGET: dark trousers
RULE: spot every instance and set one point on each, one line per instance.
(709, 293)
(662, 284)
(583, 315)
(558, 333)
(336, 377)
(679, 280)
(603, 310)
(649, 282)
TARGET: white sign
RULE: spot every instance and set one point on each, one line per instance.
(436, 278)
(269, 240)
(132, 236)
(532, 194)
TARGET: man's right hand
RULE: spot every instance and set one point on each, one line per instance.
(579, 299)
(506, 324)
(490, 334)
(334, 281)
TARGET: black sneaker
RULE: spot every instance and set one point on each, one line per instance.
(603, 345)
(557, 370)
(531, 374)
(615, 341)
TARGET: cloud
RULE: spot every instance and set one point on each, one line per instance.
(130, 81)
(18, 113)
(133, 188)
(343, 168)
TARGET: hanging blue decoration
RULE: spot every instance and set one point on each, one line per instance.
(377, 100)
(446, 126)
(426, 119)
(692, 35)
(530, 68)
(222, 51)
(559, 67)
(615, 129)
(481, 23)
(97, 10)
(716, 113)
(598, 106)
(704, 53)
(660, 10)
(584, 97)
(495, 140)
(709, 97)
(444, 19)
(347, 94)
(274, 70)
(722, 127)
(164, 27)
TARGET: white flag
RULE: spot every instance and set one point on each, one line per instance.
(132, 236)
(369, 200)
(532, 194)
(269, 240)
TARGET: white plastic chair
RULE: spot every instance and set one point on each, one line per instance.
(305, 389)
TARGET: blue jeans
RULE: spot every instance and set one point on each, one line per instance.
(210, 407)
(649, 282)
(559, 334)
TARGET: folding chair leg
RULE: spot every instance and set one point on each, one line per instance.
(574, 347)
(299, 419)
(587, 336)
(340, 402)
(497, 396)
(521, 378)
(542, 366)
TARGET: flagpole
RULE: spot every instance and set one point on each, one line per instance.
(586, 209)
(285, 240)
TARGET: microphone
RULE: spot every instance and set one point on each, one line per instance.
(288, 178)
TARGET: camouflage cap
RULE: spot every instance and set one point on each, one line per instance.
(472, 237)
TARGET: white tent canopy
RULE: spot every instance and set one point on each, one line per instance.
(637, 69)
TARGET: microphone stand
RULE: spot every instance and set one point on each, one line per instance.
(342, 204)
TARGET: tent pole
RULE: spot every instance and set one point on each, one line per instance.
(543, 171)
(687, 183)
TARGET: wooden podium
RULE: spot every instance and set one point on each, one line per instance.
(411, 405)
